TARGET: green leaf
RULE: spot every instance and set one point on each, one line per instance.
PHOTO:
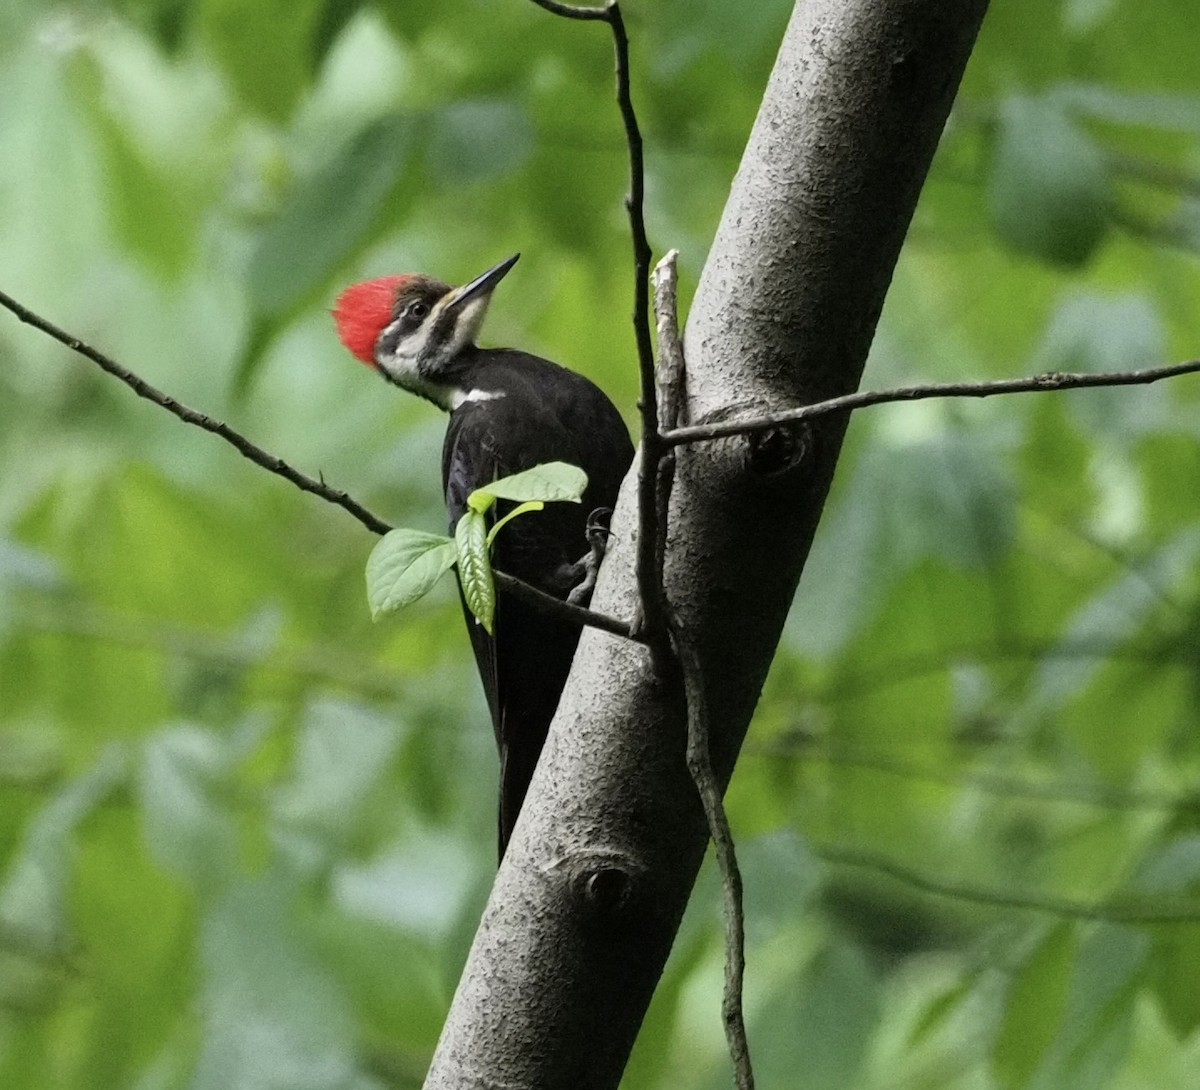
(531, 505)
(329, 213)
(475, 567)
(147, 194)
(342, 753)
(1049, 190)
(262, 49)
(404, 566)
(476, 140)
(549, 482)
(1037, 999)
(273, 1013)
(182, 788)
(822, 1018)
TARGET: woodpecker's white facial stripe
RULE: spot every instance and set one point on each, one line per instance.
(420, 354)
(470, 318)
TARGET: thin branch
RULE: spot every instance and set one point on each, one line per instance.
(565, 611)
(634, 204)
(1051, 380)
(671, 373)
(635, 200)
(699, 762)
(239, 442)
(653, 620)
(569, 11)
(849, 402)
(1156, 910)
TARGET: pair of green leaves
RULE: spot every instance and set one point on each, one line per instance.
(406, 563)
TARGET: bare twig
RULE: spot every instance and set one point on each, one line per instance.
(1052, 380)
(699, 762)
(635, 200)
(653, 621)
(570, 11)
(565, 611)
(656, 475)
(239, 442)
(671, 375)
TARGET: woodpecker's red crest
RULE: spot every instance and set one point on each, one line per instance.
(415, 329)
(363, 310)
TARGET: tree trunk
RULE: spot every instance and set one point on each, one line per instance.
(586, 905)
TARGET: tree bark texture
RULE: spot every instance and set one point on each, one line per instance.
(586, 905)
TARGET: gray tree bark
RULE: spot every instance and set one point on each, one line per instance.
(586, 905)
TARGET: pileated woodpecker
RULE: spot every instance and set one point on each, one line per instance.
(509, 411)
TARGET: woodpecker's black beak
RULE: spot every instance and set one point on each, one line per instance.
(482, 284)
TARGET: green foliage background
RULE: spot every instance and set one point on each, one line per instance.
(245, 834)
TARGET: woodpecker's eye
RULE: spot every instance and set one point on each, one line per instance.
(418, 309)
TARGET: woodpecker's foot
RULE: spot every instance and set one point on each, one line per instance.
(588, 566)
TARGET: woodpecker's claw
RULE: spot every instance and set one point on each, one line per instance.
(589, 565)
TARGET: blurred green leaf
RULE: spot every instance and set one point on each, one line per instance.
(272, 1015)
(477, 140)
(265, 50)
(333, 15)
(1125, 107)
(1113, 616)
(1175, 954)
(1095, 1023)
(183, 786)
(820, 1023)
(1036, 1001)
(343, 753)
(34, 896)
(165, 20)
(1049, 191)
(328, 214)
(147, 206)
(939, 497)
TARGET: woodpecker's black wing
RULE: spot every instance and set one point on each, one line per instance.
(527, 411)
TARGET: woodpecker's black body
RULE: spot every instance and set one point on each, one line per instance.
(509, 411)
(545, 413)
